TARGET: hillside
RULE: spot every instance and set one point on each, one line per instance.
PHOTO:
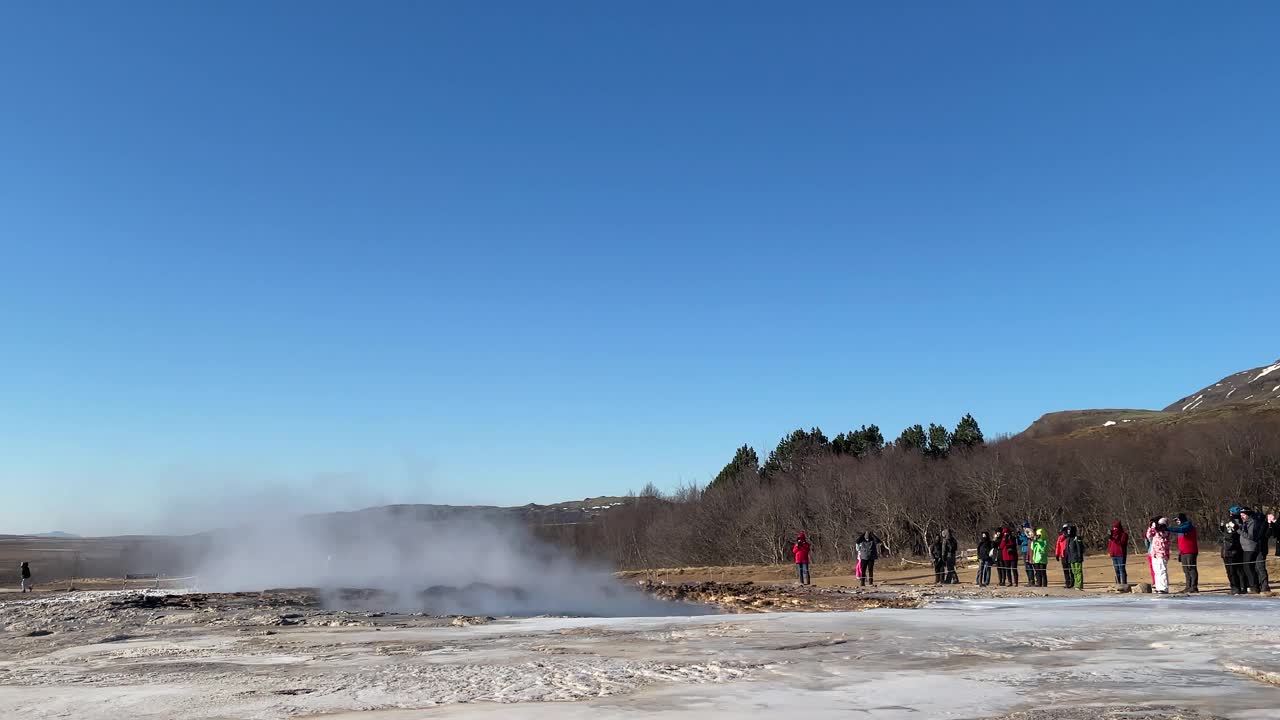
(1259, 385)
(1254, 392)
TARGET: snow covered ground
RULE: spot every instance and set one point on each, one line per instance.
(1205, 657)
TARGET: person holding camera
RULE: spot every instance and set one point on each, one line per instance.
(1253, 541)
(1188, 551)
(1158, 551)
(800, 551)
(1233, 558)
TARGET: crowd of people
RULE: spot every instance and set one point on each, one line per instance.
(1024, 553)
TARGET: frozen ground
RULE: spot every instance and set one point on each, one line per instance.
(255, 656)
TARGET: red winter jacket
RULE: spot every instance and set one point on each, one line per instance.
(1060, 549)
(801, 549)
(1188, 538)
(1118, 542)
(1008, 546)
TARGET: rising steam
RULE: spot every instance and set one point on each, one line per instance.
(390, 561)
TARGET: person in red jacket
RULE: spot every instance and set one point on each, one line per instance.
(1118, 549)
(1009, 554)
(1060, 552)
(1188, 550)
(801, 552)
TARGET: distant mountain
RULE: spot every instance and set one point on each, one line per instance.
(1250, 393)
(57, 535)
(572, 512)
(1259, 385)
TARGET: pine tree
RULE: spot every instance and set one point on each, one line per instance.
(913, 438)
(939, 441)
(745, 464)
(967, 434)
(795, 452)
(858, 443)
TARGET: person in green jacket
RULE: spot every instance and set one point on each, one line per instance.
(1039, 559)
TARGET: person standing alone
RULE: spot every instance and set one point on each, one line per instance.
(944, 559)
(1188, 551)
(868, 549)
(25, 571)
(800, 550)
(1158, 536)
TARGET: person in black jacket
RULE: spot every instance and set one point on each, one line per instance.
(1233, 557)
(1254, 541)
(25, 571)
(1075, 556)
(985, 547)
(944, 559)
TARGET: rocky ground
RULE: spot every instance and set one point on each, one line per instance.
(917, 652)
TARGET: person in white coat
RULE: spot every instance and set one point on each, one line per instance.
(1158, 537)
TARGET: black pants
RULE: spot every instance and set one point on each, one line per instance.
(869, 572)
(1190, 572)
(1040, 575)
(1012, 566)
(1003, 571)
(1068, 577)
(1235, 576)
(1249, 570)
(951, 577)
(939, 571)
(1260, 568)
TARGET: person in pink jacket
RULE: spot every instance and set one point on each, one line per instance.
(1158, 536)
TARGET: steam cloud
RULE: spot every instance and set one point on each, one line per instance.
(381, 559)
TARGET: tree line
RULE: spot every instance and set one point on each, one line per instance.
(928, 479)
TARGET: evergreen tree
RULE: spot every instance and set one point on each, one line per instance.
(967, 434)
(745, 463)
(913, 438)
(939, 441)
(795, 452)
(858, 443)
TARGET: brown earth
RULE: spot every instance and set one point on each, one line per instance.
(895, 573)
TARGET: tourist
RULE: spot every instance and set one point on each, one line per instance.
(997, 559)
(1188, 551)
(1253, 541)
(944, 559)
(1025, 538)
(1158, 536)
(1233, 558)
(1039, 555)
(801, 552)
(868, 549)
(985, 547)
(1118, 549)
(1274, 526)
(25, 571)
(1060, 552)
(1009, 555)
(1075, 557)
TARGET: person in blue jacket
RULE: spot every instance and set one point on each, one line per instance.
(1025, 539)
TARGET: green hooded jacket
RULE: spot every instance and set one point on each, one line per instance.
(1039, 547)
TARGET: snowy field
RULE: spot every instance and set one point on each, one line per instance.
(1124, 656)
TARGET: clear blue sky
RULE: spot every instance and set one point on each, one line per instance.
(333, 254)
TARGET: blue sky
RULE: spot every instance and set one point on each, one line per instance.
(327, 255)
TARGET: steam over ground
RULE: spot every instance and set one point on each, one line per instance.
(392, 561)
